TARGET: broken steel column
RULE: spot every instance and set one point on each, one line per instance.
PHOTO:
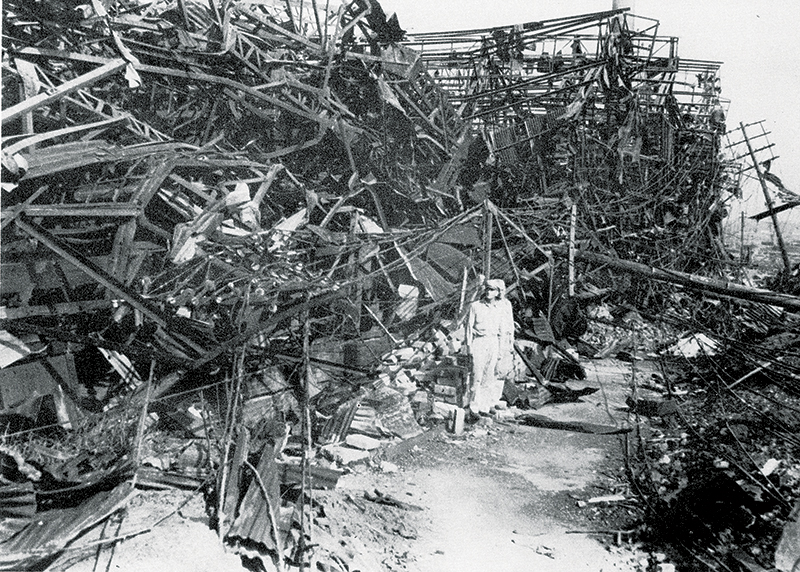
(693, 281)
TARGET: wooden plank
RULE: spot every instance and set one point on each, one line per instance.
(155, 479)
(10, 214)
(17, 500)
(64, 89)
(775, 210)
(58, 158)
(153, 183)
(29, 88)
(193, 188)
(536, 420)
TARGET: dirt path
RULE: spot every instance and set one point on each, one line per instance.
(500, 498)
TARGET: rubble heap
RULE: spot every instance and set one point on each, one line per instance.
(257, 224)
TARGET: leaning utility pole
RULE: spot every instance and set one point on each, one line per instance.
(786, 264)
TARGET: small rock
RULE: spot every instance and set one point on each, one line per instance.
(770, 466)
(388, 467)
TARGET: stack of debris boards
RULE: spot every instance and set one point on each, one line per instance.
(219, 217)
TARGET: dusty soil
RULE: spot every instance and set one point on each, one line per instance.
(500, 497)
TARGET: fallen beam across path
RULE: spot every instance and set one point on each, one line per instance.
(689, 280)
(536, 420)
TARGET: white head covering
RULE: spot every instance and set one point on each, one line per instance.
(499, 284)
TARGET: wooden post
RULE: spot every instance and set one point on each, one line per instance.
(27, 118)
(571, 262)
(295, 28)
(786, 264)
(741, 241)
(487, 239)
(227, 440)
(354, 270)
(316, 19)
(462, 297)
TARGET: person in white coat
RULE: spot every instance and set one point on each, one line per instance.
(490, 342)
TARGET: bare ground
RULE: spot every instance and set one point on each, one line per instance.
(501, 498)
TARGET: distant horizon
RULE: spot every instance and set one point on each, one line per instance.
(762, 228)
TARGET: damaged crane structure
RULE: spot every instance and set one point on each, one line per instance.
(256, 224)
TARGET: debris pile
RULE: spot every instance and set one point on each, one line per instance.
(236, 234)
(717, 465)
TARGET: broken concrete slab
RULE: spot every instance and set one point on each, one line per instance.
(362, 442)
(345, 456)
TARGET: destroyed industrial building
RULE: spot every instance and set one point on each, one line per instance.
(236, 232)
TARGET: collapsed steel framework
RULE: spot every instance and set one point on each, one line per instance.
(598, 101)
(274, 183)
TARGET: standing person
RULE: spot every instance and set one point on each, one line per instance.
(490, 343)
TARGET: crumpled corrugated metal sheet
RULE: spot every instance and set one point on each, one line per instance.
(49, 533)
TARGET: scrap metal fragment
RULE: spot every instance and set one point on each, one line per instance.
(64, 89)
(51, 532)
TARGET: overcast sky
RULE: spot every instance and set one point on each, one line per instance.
(757, 41)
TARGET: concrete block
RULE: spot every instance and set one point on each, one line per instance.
(362, 442)
(455, 422)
